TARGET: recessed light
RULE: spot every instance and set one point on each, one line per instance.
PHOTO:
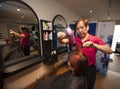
(18, 9)
(91, 11)
(22, 17)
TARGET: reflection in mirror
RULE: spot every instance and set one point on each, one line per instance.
(59, 24)
(14, 14)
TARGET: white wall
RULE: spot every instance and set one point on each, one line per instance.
(47, 9)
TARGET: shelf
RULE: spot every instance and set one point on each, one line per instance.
(46, 25)
(47, 30)
(47, 42)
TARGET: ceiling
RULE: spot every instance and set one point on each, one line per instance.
(8, 12)
(101, 9)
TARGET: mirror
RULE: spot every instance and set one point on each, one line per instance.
(14, 14)
(59, 24)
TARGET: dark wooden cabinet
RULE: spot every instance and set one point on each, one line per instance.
(49, 52)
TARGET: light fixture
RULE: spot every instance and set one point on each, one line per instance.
(91, 11)
(22, 17)
(18, 9)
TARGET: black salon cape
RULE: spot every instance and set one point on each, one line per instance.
(63, 81)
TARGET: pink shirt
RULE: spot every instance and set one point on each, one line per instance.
(25, 41)
(90, 52)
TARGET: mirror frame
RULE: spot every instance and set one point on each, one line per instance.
(2, 63)
(62, 48)
(37, 26)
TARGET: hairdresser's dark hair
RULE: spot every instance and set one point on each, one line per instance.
(24, 29)
(85, 21)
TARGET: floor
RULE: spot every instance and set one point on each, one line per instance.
(110, 81)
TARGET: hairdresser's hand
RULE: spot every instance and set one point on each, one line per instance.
(11, 31)
(15, 33)
(88, 44)
(61, 35)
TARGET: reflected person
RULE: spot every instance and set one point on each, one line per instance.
(24, 39)
(11, 50)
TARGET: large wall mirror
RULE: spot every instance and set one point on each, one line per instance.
(59, 24)
(13, 14)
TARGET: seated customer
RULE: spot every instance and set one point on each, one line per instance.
(77, 61)
(72, 79)
(24, 36)
(11, 50)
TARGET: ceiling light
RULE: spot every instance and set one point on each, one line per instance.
(18, 9)
(91, 11)
(0, 5)
(22, 17)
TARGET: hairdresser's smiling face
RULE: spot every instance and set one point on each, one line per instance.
(81, 29)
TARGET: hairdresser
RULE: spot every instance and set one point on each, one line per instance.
(90, 46)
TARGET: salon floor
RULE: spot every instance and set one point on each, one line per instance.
(110, 81)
